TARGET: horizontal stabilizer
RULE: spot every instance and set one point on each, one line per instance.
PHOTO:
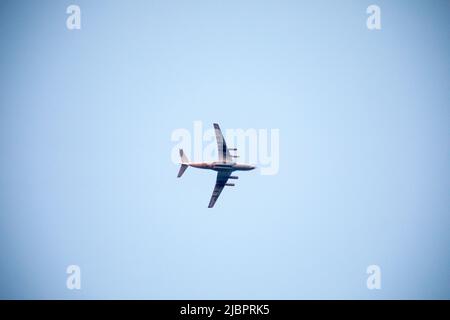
(184, 158)
(182, 170)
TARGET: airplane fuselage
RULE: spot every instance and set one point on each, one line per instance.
(222, 166)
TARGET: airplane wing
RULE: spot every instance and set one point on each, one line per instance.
(222, 178)
(224, 153)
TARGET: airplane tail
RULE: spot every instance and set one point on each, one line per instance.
(184, 163)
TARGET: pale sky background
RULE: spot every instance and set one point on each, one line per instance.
(86, 177)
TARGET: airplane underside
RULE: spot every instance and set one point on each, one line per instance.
(224, 167)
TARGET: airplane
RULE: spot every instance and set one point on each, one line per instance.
(224, 167)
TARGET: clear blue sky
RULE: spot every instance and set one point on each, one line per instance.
(86, 178)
